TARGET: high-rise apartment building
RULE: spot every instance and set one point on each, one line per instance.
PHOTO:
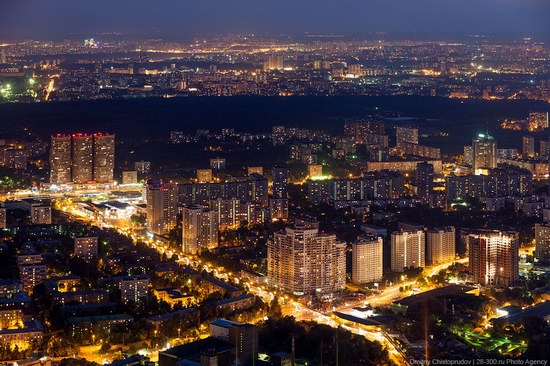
(441, 245)
(3, 218)
(232, 213)
(162, 202)
(253, 189)
(373, 185)
(104, 157)
(217, 164)
(468, 155)
(355, 70)
(278, 208)
(424, 181)
(200, 229)
(528, 146)
(484, 154)
(364, 131)
(32, 271)
(538, 121)
(41, 214)
(367, 259)
(82, 158)
(279, 203)
(278, 135)
(280, 182)
(314, 171)
(542, 242)
(129, 177)
(303, 261)
(142, 167)
(544, 150)
(60, 159)
(274, 62)
(86, 247)
(407, 135)
(243, 337)
(204, 175)
(500, 182)
(407, 250)
(255, 170)
(494, 257)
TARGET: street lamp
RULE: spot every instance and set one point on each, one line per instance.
(337, 344)
(93, 339)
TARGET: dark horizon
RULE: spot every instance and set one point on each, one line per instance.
(352, 18)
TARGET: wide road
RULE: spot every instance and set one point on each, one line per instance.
(392, 293)
(294, 308)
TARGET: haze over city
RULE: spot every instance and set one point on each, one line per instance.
(432, 18)
(274, 183)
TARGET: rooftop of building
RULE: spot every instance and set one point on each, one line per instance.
(219, 283)
(32, 326)
(232, 299)
(84, 307)
(80, 134)
(94, 319)
(115, 204)
(224, 323)
(541, 310)
(193, 350)
(425, 296)
(19, 297)
(172, 315)
(130, 360)
(10, 282)
(81, 292)
(138, 277)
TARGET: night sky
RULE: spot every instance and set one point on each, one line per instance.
(51, 18)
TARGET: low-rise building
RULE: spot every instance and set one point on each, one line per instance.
(86, 327)
(234, 304)
(22, 337)
(133, 288)
(174, 296)
(175, 323)
(82, 297)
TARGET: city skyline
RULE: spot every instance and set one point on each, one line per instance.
(351, 18)
(274, 183)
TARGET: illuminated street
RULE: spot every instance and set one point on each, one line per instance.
(262, 183)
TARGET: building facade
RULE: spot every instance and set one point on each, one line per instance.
(60, 159)
(302, 261)
(494, 257)
(441, 245)
(367, 259)
(484, 154)
(424, 181)
(162, 205)
(82, 158)
(407, 250)
(200, 229)
(86, 247)
(542, 242)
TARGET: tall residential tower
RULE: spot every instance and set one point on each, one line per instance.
(303, 261)
(162, 207)
(494, 257)
(82, 158)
